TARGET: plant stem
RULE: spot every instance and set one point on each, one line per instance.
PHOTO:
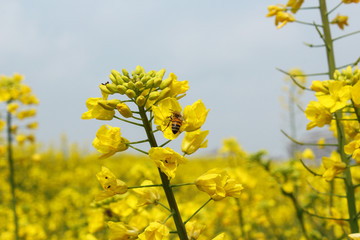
(165, 181)
(12, 174)
(350, 195)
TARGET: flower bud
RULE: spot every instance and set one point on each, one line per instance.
(145, 79)
(139, 85)
(141, 75)
(113, 103)
(122, 89)
(139, 70)
(154, 95)
(160, 73)
(119, 79)
(150, 83)
(124, 110)
(157, 82)
(112, 87)
(112, 78)
(125, 78)
(125, 72)
(130, 85)
(140, 101)
(104, 89)
(165, 83)
(105, 105)
(164, 93)
(130, 93)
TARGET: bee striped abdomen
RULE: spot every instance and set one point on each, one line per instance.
(176, 122)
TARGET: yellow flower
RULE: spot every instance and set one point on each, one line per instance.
(355, 94)
(33, 125)
(195, 116)
(295, 5)
(162, 116)
(193, 141)
(218, 184)
(354, 149)
(194, 229)
(110, 184)
(177, 87)
(317, 114)
(2, 124)
(124, 110)
(221, 236)
(26, 113)
(354, 236)
(11, 107)
(340, 21)
(96, 109)
(155, 231)
(308, 154)
(274, 9)
(108, 141)
(149, 195)
(333, 166)
(321, 143)
(166, 159)
(20, 138)
(96, 220)
(283, 18)
(120, 231)
(338, 96)
(320, 86)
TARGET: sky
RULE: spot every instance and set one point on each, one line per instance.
(227, 50)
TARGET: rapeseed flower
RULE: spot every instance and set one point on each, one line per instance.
(108, 141)
(124, 110)
(283, 18)
(193, 141)
(317, 114)
(355, 94)
(110, 184)
(221, 236)
(308, 154)
(97, 108)
(148, 195)
(195, 116)
(341, 21)
(194, 229)
(353, 148)
(155, 231)
(339, 95)
(26, 114)
(121, 231)
(274, 9)
(333, 166)
(295, 5)
(177, 87)
(166, 159)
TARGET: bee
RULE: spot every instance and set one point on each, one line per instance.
(176, 120)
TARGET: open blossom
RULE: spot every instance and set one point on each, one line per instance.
(148, 195)
(353, 148)
(155, 231)
(283, 18)
(108, 141)
(194, 229)
(166, 159)
(110, 184)
(341, 21)
(121, 231)
(295, 5)
(218, 184)
(100, 108)
(193, 141)
(317, 114)
(274, 9)
(195, 116)
(333, 166)
(339, 95)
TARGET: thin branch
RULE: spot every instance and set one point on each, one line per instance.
(293, 79)
(198, 210)
(303, 8)
(311, 171)
(307, 144)
(137, 142)
(137, 124)
(329, 12)
(139, 150)
(352, 64)
(165, 143)
(313, 45)
(327, 194)
(307, 23)
(146, 186)
(181, 184)
(157, 202)
(346, 35)
(322, 217)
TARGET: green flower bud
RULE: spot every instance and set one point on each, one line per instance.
(140, 101)
(125, 78)
(139, 70)
(113, 78)
(145, 79)
(160, 73)
(139, 85)
(130, 85)
(164, 93)
(154, 95)
(104, 89)
(112, 87)
(122, 89)
(157, 82)
(113, 103)
(141, 75)
(130, 93)
(119, 79)
(165, 83)
(105, 105)
(133, 73)
(152, 73)
(125, 72)
(150, 83)
(136, 78)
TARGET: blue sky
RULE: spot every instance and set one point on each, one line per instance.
(228, 51)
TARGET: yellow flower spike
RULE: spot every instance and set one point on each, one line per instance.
(333, 166)
(341, 21)
(97, 111)
(124, 110)
(339, 95)
(120, 231)
(12, 107)
(167, 160)
(110, 184)
(308, 154)
(317, 114)
(193, 141)
(195, 116)
(155, 231)
(213, 182)
(353, 148)
(163, 114)
(148, 195)
(109, 141)
(194, 229)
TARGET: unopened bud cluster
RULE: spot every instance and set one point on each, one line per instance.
(139, 86)
(348, 75)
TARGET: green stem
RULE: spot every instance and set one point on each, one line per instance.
(340, 129)
(146, 186)
(181, 184)
(198, 210)
(12, 174)
(180, 226)
(134, 123)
